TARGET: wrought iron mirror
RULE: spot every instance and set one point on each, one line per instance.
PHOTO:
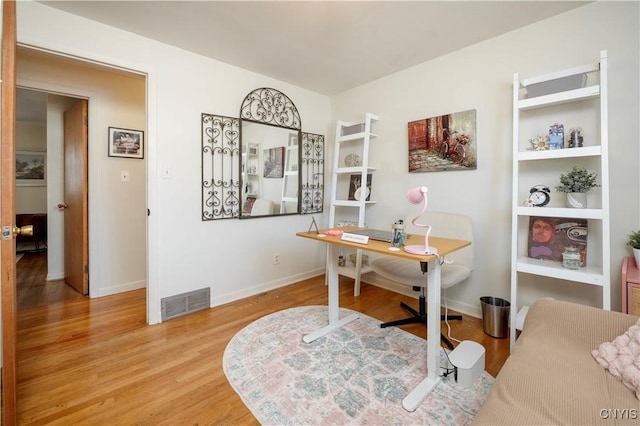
(261, 164)
(270, 135)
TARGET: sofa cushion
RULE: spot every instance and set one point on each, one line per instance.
(621, 357)
(551, 378)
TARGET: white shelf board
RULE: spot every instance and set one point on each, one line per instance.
(520, 317)
(356, 136)
(585, 151)
(350, 203)
(582, 69)
(587, 275)
(582, 94)
(356, 169)
(349, 270)
(560, 212)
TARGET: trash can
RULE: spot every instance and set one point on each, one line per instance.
(495, 316)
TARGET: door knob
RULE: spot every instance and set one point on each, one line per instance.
(9, 231)
(62, 206)
(26, 230)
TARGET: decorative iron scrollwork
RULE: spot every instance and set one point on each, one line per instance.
(221, 165)
(270, 106)
(220, 174)
(312, 173)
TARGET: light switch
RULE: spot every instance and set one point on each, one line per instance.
(124, 176)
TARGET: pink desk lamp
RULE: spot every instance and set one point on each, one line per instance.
(415, 196)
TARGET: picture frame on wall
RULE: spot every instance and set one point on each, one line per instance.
(31, 168)
(274, 162)
(126, 143)
(443, 143)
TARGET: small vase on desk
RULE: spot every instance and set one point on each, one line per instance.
(577, 200)
(636, 255)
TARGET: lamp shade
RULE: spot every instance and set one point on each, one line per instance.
(416, 195)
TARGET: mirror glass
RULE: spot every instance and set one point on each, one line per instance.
(269, 164)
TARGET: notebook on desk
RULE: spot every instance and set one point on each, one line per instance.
(375, 234)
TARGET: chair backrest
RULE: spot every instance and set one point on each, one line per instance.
(262, 207)
(445, 225)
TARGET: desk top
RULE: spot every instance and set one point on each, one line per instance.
(444, 245)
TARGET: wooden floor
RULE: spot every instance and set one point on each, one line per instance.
(95, 361)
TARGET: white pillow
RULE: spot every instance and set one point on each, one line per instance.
(621, 357)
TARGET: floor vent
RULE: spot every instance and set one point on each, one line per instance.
(185, 303)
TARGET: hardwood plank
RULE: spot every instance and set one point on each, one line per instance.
(95, 361)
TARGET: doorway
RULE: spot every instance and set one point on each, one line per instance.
(117, 186)
(40, 265)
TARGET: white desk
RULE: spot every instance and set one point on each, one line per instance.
(444, 246)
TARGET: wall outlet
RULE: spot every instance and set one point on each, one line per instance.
(276, 258)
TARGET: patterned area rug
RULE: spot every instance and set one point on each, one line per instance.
(358, 374)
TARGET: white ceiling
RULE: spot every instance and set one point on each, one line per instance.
(324, 46)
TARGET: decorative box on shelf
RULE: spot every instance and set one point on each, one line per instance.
(630, 286)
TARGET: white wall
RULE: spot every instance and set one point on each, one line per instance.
(480, 77)
(233, 257)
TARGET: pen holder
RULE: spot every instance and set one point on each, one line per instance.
(398, 233)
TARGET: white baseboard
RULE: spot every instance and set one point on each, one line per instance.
(121, 288)
(221, 299)
(55, 276)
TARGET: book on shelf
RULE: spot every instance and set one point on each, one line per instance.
(549, 237)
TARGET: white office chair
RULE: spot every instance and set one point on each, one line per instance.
(407, 272)
(262, 207)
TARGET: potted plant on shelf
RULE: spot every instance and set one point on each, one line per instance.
(634, 242)
(576, 183)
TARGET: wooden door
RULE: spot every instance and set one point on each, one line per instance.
(76, 247)
(7, 213)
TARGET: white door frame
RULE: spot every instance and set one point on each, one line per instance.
(152, 290)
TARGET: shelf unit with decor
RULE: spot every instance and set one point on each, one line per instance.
(250, 172)
(351, 158)
(576, 97)
(290, 182)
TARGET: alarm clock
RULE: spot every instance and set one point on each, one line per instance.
(539, 196)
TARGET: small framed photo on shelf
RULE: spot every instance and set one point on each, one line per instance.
(126, 143)
(356, 191)
(248, 204)
(556, 136)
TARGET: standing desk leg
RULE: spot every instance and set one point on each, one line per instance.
(334, 302)
(417, 395)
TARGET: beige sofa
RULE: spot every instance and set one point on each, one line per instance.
(551, 376)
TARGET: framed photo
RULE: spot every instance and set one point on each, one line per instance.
(274, 162)
(356, 191)
(445, 142)
(248, 204)
(548, 237)
(31, 168)
(126, 143)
